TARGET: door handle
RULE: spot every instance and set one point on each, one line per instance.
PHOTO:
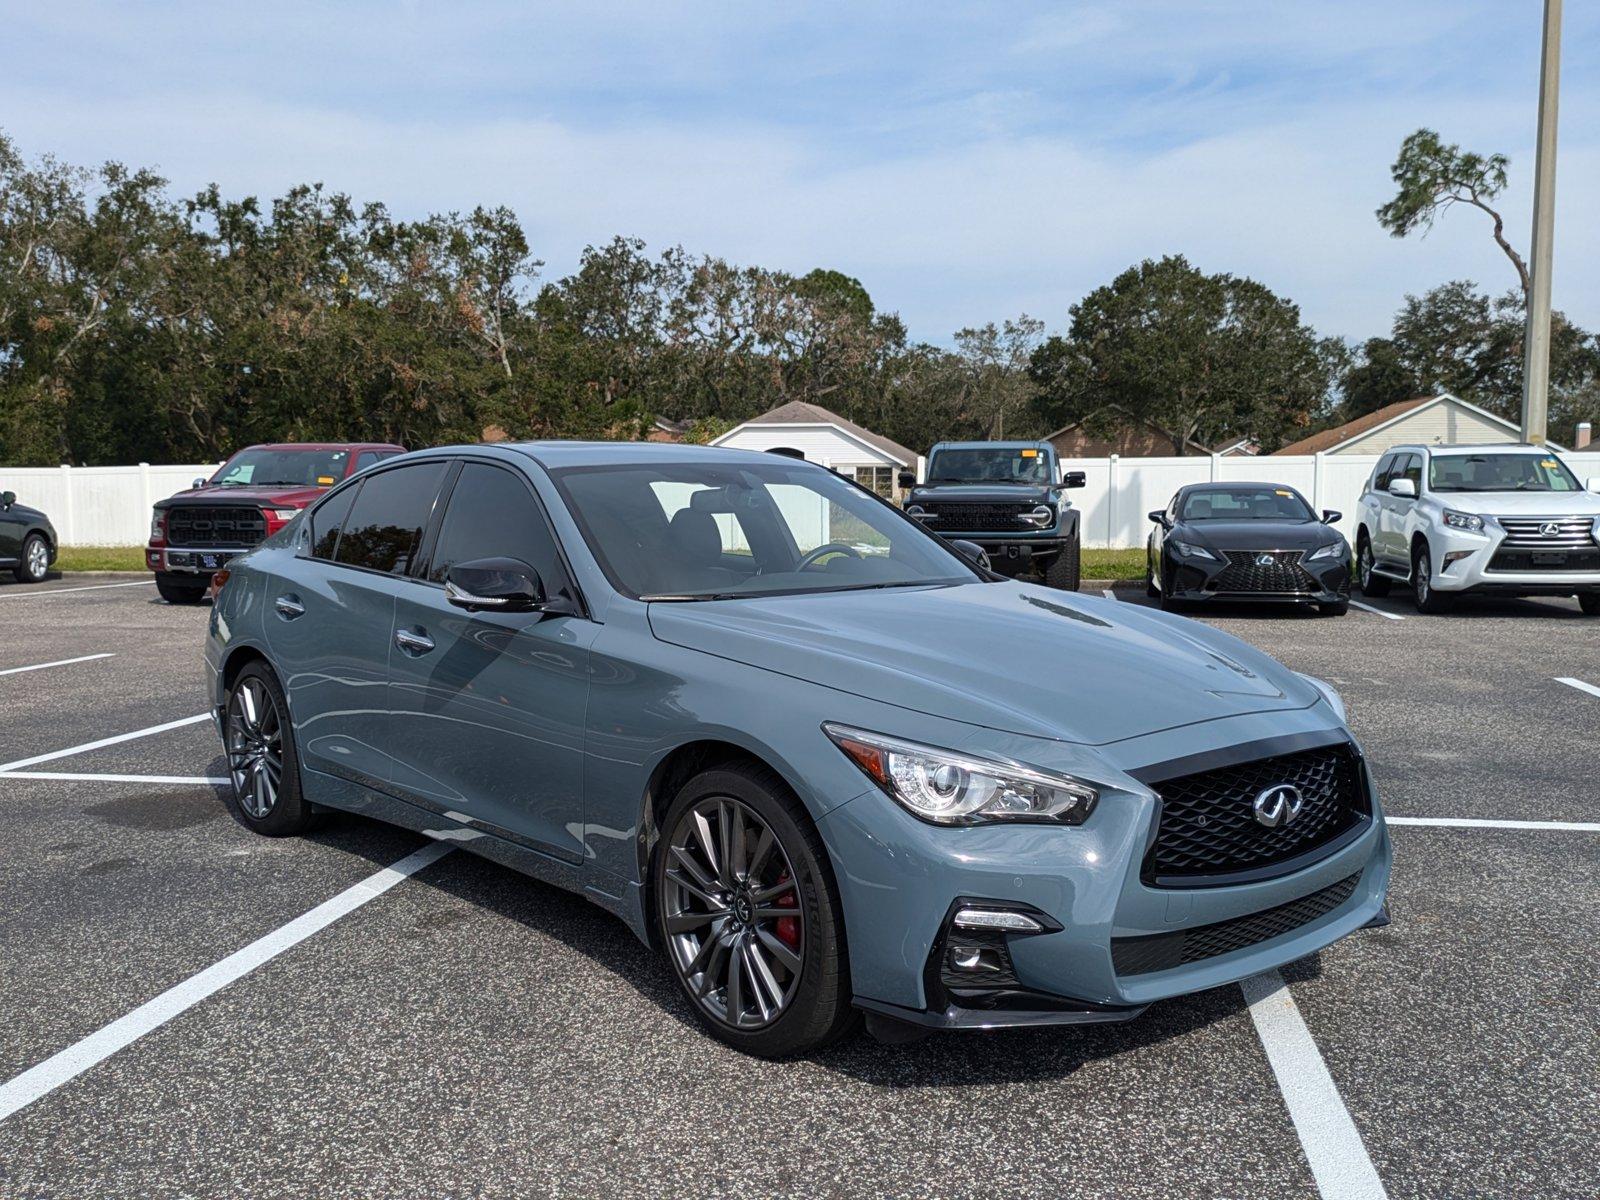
(412, 643)
(289, 607)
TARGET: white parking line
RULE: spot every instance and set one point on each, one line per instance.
(59, 1068)
(110, 741)
(1333, 1146)
(1477, 823)
(60, 662)
(1579, 684)
(208, 779)
(1368, 608)
(92, 587)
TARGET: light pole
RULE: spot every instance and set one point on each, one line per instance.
(1536, 338)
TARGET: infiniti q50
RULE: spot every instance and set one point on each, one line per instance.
(818, 757)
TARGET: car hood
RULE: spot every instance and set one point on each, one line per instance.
(1258, 535)
(31, 516)
(1009, 656)
(1522, 504)
(290, 497)
(982, 493)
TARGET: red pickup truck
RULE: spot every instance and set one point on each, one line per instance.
(253, 495)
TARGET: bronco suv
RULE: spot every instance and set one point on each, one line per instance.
(1448, 520)
(253, 495)
(1007, 497)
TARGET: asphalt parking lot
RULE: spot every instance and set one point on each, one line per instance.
(468, 1032)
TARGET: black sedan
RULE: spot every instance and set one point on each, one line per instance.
(1246, 541)
(27, 540)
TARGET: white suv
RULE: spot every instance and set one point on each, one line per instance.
(1454, 519)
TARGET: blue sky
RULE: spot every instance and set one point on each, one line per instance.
(966, 161)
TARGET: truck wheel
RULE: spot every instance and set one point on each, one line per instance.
(174, 592)
(1063, 571)
(35, 562)
(1428, 600)
(1372, 584)
(1590, 603)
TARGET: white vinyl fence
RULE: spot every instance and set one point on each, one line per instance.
(110, 506)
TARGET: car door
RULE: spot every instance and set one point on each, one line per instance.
(489, 707)
(11, 530)
(1390, 512)
(331, 618)
(1397, 511)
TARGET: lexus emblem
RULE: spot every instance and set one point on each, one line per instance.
(1279, 805)
(1265, 560)
(1550, 529)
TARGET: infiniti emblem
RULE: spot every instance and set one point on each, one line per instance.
(1550, 529)
(1265, 560)
(1279, 805)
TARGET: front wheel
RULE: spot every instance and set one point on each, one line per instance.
(35, 564)
(1428, 600)
(1064, 568)
(263, 766)
(748, 914)
(175, 592)
(1590, 603)
(1372, 584)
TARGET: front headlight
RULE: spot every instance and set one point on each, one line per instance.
(1335, 701)
(1331, 550)
(1471, 522)
(949, 788)
(1190, 550)
(1042, 517)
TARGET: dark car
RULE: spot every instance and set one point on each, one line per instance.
(1247, 541)
(253, 495)
(27, 540)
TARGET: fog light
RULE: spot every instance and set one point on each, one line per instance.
(996, 918)
(1452, 557)
(976, 959)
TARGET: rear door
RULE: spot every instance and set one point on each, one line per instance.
(11, 529)
(489, 708)
(331, 624)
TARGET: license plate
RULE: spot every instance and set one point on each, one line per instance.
(1549, 559)
(212, 561)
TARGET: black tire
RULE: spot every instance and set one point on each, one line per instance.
(1150, 588)
(289, 812)
(817, 1010)
(1169, 602)
(1369, 581)
(1063, 571)
(174, 592)
(1427, 598)
(35, 563)
(1590, 603)
(1336, 609)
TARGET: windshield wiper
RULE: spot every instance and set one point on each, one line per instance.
(691, 597)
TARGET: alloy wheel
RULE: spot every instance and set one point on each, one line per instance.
(732, 915)
(1423, 573)
(255, 748)
(38, 559)
(1366, 567)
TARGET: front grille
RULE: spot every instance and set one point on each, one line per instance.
(1281, 573)
(1546, 559)
(1208, 831)
(234, 525)
(1566, 533)
(1163, 951)
(950, 517)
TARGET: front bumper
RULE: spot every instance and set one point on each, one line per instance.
(1197, 579)
(1464, 561)
(900, 878)
(1015, 550)
(189, 560)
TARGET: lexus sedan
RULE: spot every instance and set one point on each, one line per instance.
(27, 540)
(1246, 541)
(820, 759)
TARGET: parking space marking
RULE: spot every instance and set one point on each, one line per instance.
(208, 779)
(1339, 1160)
(59, 1068)
(93, 587)
(1579, 684)
(60, 662)
(1368, 608)
(110, 741)
(1480, 823)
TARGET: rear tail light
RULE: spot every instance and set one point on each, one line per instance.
(277, 518)
(158, 527)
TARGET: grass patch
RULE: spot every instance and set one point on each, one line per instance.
(1113, 564)
(100, 558)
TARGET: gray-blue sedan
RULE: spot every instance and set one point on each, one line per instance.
(819, 757)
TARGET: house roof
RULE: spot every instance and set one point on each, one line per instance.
(801, 412)
(1332, 439)
(1151, 425)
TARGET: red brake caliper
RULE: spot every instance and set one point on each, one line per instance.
(788, 928)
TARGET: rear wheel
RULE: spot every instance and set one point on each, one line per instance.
(1428, 600)
(1063, 571)
(748, 914)
(35, 562)
(1590, 603)
(175, 591)
(1372, 584)
(263, 767)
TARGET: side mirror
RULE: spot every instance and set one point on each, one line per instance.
(972, 552)
(7, 499)
(1594, 483)
(1403, 488)
(494, 585)
(1331, 515)
(1159, 517)
(1074, 479)
(907, 479)
(199, 481)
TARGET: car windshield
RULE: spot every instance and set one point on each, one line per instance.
(715, 531)
(1246, 504)
(1500, 473)
(989, 464)
(260, 467)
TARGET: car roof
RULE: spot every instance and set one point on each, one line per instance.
(1230, 485)
(1487, 447)
(325, 446)
(606, 454)
(1021, 445)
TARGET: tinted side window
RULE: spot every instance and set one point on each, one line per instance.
(385, 525)
(492, 514)
(1380, 480)
(326, 521)
(1412, 470)
(368, 458)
